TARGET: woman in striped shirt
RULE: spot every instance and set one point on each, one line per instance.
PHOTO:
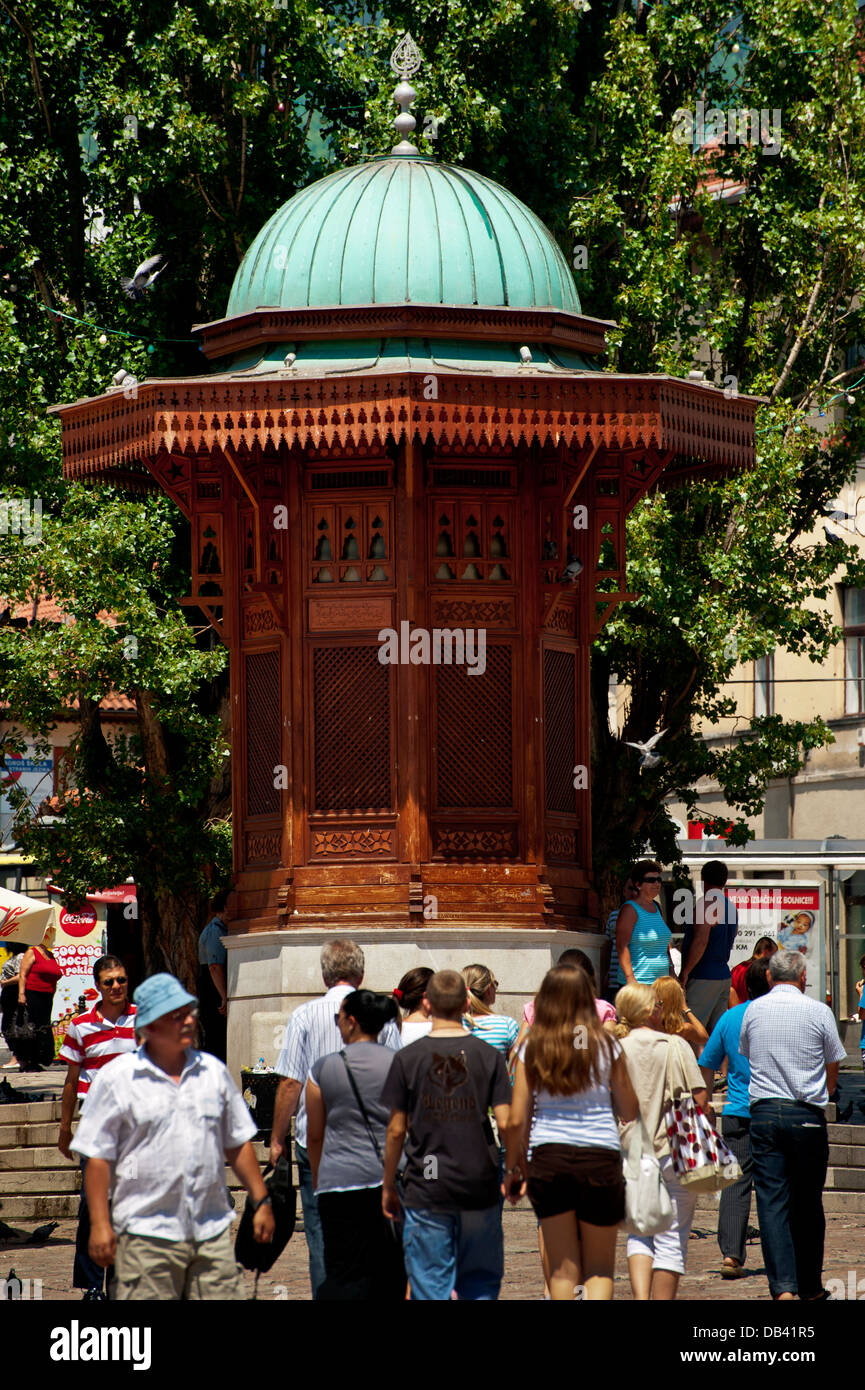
(498, 1030)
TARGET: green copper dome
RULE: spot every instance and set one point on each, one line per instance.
(403, 230)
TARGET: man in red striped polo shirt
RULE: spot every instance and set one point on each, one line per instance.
(92, 1040)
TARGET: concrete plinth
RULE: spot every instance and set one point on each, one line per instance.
(270, 973)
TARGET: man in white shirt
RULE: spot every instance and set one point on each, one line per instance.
(312, 1033)
(794, 1050)
(159, 1125)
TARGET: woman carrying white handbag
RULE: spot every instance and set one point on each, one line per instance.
(657, 1261)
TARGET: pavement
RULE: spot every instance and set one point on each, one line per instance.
(289, 1280)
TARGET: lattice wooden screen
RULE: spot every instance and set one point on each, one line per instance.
(351, 713)
(475, 733)
(263, 742)
(560, 749)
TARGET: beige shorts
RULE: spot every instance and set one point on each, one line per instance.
(708, 999)
(147, 1270)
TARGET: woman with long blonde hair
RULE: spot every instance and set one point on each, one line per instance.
(563, 1141)
(661, 1066)
(676, 1018)
(499, 1030)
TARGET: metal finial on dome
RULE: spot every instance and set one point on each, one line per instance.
(405, 61)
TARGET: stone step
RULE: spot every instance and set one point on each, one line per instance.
(37, 1207)
(42, 1181)
(840, 1155)
(835, 1202)
(846, 1134)
(845, 1180)
(34, 1157)
(33, 1111)
(29, 1135)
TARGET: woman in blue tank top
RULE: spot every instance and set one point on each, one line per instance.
(642, 936)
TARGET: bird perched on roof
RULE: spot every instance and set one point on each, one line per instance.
(143, 279)
(835, 514)
(648, 759)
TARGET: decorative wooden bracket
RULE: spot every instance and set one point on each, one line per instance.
(607, 602)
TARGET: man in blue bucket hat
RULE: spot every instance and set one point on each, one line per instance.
(159, 1126)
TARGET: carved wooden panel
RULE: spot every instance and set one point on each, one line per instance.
(352, 760)
(258, 620)
(263, 732)
(207, 555)
(341, 614)
(350, 542)
(460, 842)
(263, 847)
(560, 844)
(455, 612)
(559, 730)
(370, 843)
(562, 619)
(471, 541)
(474, 717)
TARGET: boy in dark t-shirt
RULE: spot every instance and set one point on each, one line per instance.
(440, 1090)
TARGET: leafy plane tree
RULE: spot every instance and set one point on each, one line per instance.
(184, 127)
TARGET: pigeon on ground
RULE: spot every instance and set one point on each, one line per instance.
(143, 279)
(13, 1235)
(648, 759)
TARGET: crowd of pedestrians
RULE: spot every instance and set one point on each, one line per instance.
(418, 1113)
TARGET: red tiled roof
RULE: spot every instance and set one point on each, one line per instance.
(48, 610)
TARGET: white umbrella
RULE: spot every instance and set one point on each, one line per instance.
(23, 919)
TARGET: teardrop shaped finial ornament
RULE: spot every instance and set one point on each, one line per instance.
(406, 57)
(405, 60)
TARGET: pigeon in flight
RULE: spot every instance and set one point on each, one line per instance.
(648, 759)
(143, 279)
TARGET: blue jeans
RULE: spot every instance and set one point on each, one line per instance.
(790, 1151)
(454, 1250)
(311, 1220)
(86, 1273)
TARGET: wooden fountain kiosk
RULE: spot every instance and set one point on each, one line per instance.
(408, 429)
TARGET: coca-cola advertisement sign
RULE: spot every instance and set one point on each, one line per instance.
(79, 922)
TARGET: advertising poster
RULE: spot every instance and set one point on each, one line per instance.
(791, 913)
(79, 943)
(28, 773)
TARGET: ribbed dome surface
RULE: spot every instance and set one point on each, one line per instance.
(403, 230)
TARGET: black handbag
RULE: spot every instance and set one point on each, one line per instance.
(256, 1255)
(33, 1042)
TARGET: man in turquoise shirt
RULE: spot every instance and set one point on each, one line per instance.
(735, 1124)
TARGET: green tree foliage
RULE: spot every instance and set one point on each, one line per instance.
(179, 128)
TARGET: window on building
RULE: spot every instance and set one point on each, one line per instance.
(853, 606)
(764, 685)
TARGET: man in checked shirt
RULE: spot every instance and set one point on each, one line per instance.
(159, 1125)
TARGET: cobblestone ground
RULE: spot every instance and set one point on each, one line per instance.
(845, 1250)
(52, 1263)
